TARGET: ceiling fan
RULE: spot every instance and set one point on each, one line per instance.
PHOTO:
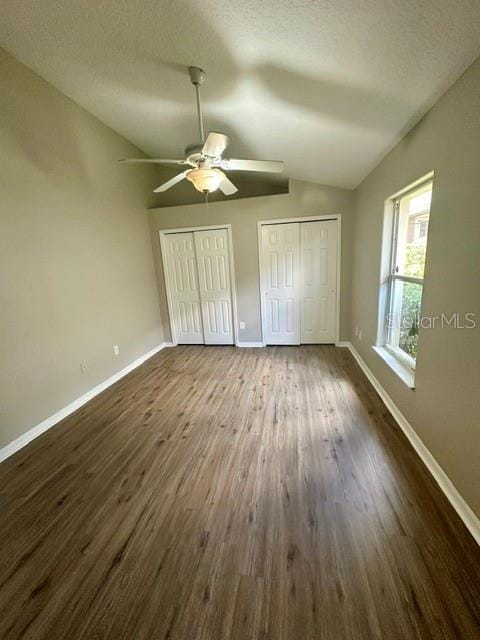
(205, 162)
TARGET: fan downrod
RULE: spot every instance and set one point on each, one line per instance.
(197, 76)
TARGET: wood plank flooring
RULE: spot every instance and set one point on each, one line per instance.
(219, 493)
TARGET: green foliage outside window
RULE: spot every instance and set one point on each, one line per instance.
(415, 260)
(412, 299)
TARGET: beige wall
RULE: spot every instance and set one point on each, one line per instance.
(444, 408)
(76, 270)
(304, 199)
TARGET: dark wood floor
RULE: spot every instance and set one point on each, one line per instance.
(219, 493)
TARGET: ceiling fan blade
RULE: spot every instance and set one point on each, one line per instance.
(227, 187)
(269, 166)
(166, 185)
(215, 144)
(152, 160)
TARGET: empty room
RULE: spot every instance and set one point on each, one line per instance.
(240, 320)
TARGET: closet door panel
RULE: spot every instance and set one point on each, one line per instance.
(214, 285)
(318, 243)
(184, 291)
(280, 279)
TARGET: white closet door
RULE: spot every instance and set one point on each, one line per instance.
(184, 293)
(281, 282)
(318, 242)
(215, 288)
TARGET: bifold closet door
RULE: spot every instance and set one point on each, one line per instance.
(281, 282)
(184, 292)
(299, 282)
(212, 253)
(318, 260)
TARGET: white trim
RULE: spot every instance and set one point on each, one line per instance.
(163, 250)
(233, 289)
(410, 279)
(250, 344)
(471, 521)
(333, 216)
(261, 283)
(20, 442)
(413, 186)
(339, 268)
(401, 356)
(404, 372)
(208, 227)
(342, 344)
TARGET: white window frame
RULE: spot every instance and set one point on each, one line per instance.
(402, 363)
(397, 352)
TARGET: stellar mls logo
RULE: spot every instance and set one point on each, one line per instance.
(443, 321)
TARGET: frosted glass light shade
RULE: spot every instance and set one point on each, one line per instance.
(205, 180)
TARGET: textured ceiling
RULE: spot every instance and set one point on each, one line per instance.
(327, 85)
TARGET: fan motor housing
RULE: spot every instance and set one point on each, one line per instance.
(195, 157)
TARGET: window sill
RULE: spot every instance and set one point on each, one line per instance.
(405, 374)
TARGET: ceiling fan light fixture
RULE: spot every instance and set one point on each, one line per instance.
(205, 180)
(204, 158)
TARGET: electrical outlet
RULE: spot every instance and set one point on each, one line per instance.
(359, 334)
(83, 367)
(116, 349)
(356, 332)
(242, 325)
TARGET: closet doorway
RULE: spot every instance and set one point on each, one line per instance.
(300, 280)
(200, 285)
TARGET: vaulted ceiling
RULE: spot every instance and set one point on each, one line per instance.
(328, 86)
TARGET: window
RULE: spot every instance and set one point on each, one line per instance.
(422, 232)
(411, 213)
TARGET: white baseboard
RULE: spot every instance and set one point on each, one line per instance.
(11, 448)
(250, 344)
(260, 344)
(446, 485)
